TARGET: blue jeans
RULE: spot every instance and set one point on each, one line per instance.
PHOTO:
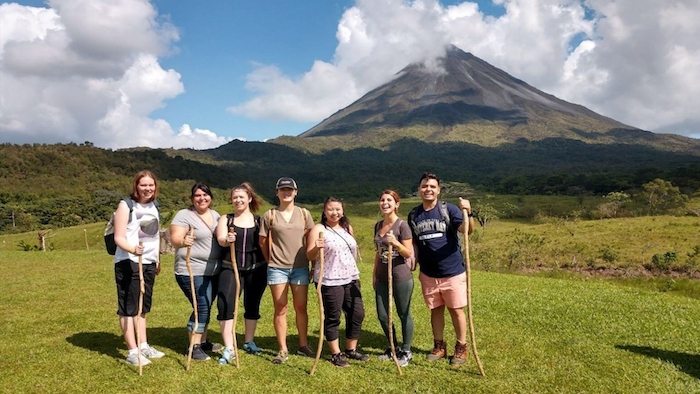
(203, 288)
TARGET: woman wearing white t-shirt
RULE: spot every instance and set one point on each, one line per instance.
(137, 221)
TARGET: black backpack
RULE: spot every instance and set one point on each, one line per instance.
(444, 213)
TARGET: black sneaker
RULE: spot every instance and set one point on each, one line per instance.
(210, 347)
(339, 360)
(355, 355)
(404, 356)
(306, 351)
(197, 353)
(386, 356)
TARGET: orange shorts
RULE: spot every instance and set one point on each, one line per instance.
(451, 291)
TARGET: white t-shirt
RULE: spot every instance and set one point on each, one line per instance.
(143, 227)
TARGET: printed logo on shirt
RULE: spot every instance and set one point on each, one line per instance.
(430, 236)
(431, 225)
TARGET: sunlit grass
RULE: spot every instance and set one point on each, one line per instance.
(535, 335)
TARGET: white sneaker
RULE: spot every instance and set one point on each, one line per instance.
(151, 352)
(134, 359)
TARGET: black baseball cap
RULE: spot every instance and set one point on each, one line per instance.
(286, 182)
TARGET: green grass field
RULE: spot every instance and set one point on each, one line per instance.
(535, 335)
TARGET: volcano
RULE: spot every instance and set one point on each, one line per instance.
(465, 99)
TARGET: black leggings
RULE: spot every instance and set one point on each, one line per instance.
(253, 283)
(402, 299)
(347, 298)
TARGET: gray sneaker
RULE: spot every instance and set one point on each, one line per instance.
(306, 351)
(197, 353)
(134, 359)
(151, 352)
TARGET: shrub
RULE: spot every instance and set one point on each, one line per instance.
(663, 262)
(608, 254)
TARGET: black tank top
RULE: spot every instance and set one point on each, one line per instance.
(248, 253)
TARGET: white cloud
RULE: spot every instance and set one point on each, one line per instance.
(199, 138)
(88, 70)
(638, 61)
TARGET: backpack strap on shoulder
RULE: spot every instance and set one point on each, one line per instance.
(412, 220)
(129, 203)
(269, 233)
(442, 206)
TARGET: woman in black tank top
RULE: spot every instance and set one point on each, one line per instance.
(251, 267)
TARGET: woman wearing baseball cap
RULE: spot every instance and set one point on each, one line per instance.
(282, 234)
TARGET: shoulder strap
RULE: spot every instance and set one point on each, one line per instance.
(129, 203)
(256, 218)
(412, 220)
(442, 206)
(377, 226)
(269, 234)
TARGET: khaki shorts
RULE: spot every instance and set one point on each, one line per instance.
(451, 291)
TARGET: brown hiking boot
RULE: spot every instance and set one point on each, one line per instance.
(439, 351)
(460, 356)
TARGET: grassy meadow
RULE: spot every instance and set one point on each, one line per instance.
(535, 335)
(551, 332)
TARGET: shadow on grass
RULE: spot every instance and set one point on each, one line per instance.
(686, 362)
(102, 342)
(175, 339)
(113, 345)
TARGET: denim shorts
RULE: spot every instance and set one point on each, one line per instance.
(295, 276)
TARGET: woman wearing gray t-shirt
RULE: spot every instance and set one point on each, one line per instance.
(392, 230)
(205, 259)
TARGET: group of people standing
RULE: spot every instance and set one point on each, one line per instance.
(274, 250)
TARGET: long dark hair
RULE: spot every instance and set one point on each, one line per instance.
(344, 222)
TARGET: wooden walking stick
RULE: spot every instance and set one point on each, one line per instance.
(319, 349)
(142, 289)
(238, 292)
(390, 274)
(194, 301)
(465, 245)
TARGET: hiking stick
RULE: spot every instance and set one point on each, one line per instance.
(390, 274)
(194, 301)
(472, 337)
(319, 349)
(142, 289)
(238, 292)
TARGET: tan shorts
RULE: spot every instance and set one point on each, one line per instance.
(451, 291)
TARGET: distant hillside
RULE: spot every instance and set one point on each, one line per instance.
(68, 184)
(468, 100)
(471, 123)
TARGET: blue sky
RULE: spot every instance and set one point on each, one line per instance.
(196, 74)
(220, 42)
